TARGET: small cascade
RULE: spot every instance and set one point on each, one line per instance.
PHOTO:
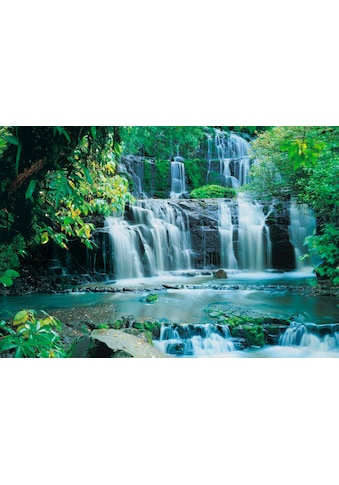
(197, 340)
(315, 337)
(302, 224)
(226, 230)
(156, 238)
(232, 154)
(178, 185)
(134, 167)
(254, 237)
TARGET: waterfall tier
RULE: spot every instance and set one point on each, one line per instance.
(231, 151)
(154, 237)
(170, 235)
(178, 184)
(314, 337)
(195, 340)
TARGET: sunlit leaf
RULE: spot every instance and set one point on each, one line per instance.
(21, 317)
(44, 238)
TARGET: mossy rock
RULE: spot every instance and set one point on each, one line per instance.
(117, 325)
(254, 334)
(137, 332)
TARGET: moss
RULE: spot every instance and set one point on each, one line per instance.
(151, 298)
(254, 334)
(117, 325)
(196, 171)
(157, 178)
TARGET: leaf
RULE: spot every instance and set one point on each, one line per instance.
(11, 139)
(61, 130)
(17, 158)
(44, 238)
(30, 189)
(94, 132)
(21, 317)
(6, 281)
(7, 343)
(11, 273)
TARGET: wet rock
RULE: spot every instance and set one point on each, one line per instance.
(118, 340)
(220, 274)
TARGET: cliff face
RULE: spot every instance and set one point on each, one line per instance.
(252, 244)
(204, 222)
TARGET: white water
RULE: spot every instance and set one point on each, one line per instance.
(302, 224)
(232, 153)
(156, 239)
(308, 336)
(195, 340)
(178, 185)
(226, 230)
(254, 237)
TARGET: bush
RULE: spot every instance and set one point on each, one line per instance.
(213, 191)
(32, 336)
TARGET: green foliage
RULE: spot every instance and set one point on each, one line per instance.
(52, 180)
(303, 162)
(213, 191)
(151, 298)
(7, 277)
(32, 336)
(157, 177)
(10, 253)
(163, 142)
(326, 246)
(196, 172)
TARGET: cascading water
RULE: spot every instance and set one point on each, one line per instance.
(254, 237)
(197, 340)
(178, 185)
(156, 239)
(316, 338)
(302, 224)
(226, 230)
(232, 154)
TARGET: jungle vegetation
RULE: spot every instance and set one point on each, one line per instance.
(54, 179)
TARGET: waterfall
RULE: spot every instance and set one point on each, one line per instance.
(156, 238)
(178, 186)
(232, 153)
(226, 228)
(197, 340)
(302, 224)
(310, 336)
(254, 237)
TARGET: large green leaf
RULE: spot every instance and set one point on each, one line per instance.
(7, 343)
(11, 273)
(6, 281)
(30, 189)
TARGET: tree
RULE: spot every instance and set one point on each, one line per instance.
(163, 142)
(303, 162)
(52, 180)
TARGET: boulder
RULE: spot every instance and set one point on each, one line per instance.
(133, 345)
(220, 274)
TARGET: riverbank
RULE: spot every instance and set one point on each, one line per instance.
(51, 284)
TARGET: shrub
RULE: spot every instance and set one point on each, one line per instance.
(30, 336)
(213, 191)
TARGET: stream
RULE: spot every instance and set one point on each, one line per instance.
(183, 300)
